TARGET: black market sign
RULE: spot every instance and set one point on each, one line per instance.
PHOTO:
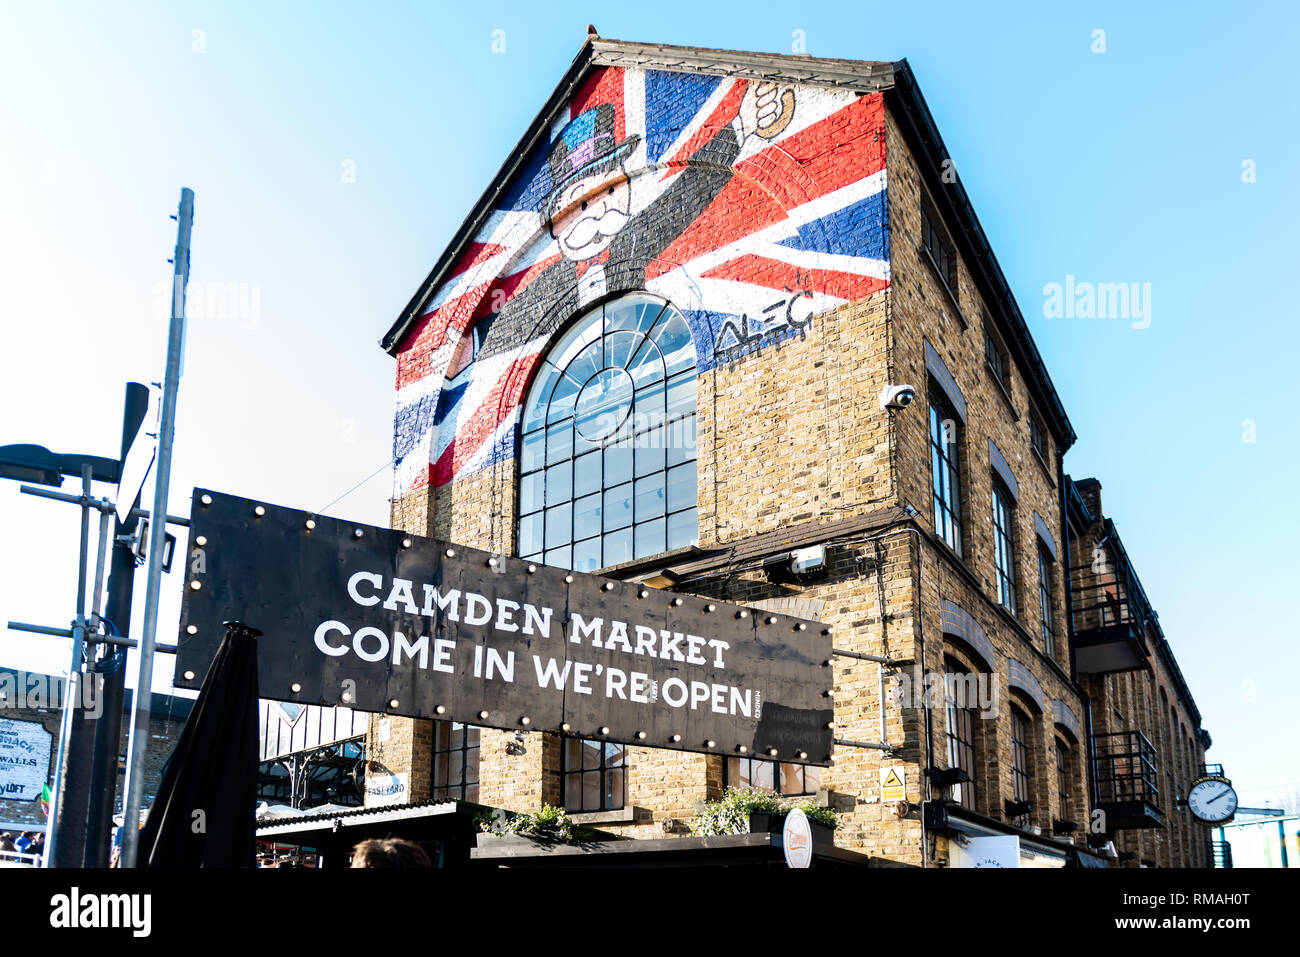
(384, 621)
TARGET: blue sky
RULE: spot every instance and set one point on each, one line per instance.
(1122, 166)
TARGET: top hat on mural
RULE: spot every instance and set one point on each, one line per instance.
(586, 146)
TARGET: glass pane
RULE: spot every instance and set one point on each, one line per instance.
(604, 404)
(586, 555)
(683, 489)
(573, 792)
(648, 539)
(680, 439)
(614, 789)
(591, 754)
(615, 755)
(586, 474)
(650, 406)
(681, 395)
(683, 529)
(618, 507)
(539, 396)
(559, 557)
(636, 312)
(591, 791)
(587, 363)
(650, 501)
(566, 392)
(650, 452)
(618, 464)
(559, 442)
(559, 483)
(674, 341)
(531, 450)
(618, 348)
(618, 548)
(530, 492)
(737, 773)
(586, 516)
(559, 530)
(761, 774)
(791, 779)
(647, 366)
(812, 778)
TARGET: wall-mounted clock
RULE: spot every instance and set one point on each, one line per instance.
(1212, 799)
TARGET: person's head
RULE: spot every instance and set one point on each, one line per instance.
(590, 212)
(590, 197)
(389, 852)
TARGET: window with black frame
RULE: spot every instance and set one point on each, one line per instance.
(594, 774)
(1045, 601)
(945, 470)
(960, 734)
(1063, 777)
(1004, 545)
(455, 761)
(1021, 766)
(936, 244)
(1037, 441)
(788, 780)
(995, 357)
(607, 452)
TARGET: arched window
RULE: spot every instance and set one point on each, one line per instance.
(607, 441)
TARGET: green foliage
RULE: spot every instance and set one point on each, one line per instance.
(550, 823)
(730, 813)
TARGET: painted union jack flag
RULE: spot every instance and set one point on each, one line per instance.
(750, 206)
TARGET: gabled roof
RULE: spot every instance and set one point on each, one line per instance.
(864, 76)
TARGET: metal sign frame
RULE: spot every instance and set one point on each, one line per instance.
(380, 620)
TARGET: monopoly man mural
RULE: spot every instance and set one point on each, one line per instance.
(750, 206)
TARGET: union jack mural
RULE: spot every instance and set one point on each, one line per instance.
(751, 206)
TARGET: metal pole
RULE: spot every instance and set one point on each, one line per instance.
(138, 742)
(121, 580)
(58, 816)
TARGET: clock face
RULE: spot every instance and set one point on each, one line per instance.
(1212, 800)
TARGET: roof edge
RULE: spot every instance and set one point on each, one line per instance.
(483, 207)
(977, 249)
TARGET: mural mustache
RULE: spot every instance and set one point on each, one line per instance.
(590, 228)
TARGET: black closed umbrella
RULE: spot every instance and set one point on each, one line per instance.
(205, 812)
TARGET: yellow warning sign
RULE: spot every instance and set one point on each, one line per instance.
(892, 784)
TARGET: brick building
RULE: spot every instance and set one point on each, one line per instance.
(31, 713)
(668, 346)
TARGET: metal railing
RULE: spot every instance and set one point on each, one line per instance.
(1125, 769)
(1105, 589)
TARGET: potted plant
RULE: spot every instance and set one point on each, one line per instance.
(753, 811)
(549, 825)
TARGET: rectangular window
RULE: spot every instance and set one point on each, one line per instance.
(1036, 439)
(594, 775)
(788, 780)
(1063, 777)
(1004, 545)
(945, 473)
(961, 738)
(995, 357)
(1021, 775)
(940, 250)
(1045, 601)
(455, 761)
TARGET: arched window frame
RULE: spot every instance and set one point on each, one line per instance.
(604, 481)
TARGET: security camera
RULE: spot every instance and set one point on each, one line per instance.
(897, 396)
